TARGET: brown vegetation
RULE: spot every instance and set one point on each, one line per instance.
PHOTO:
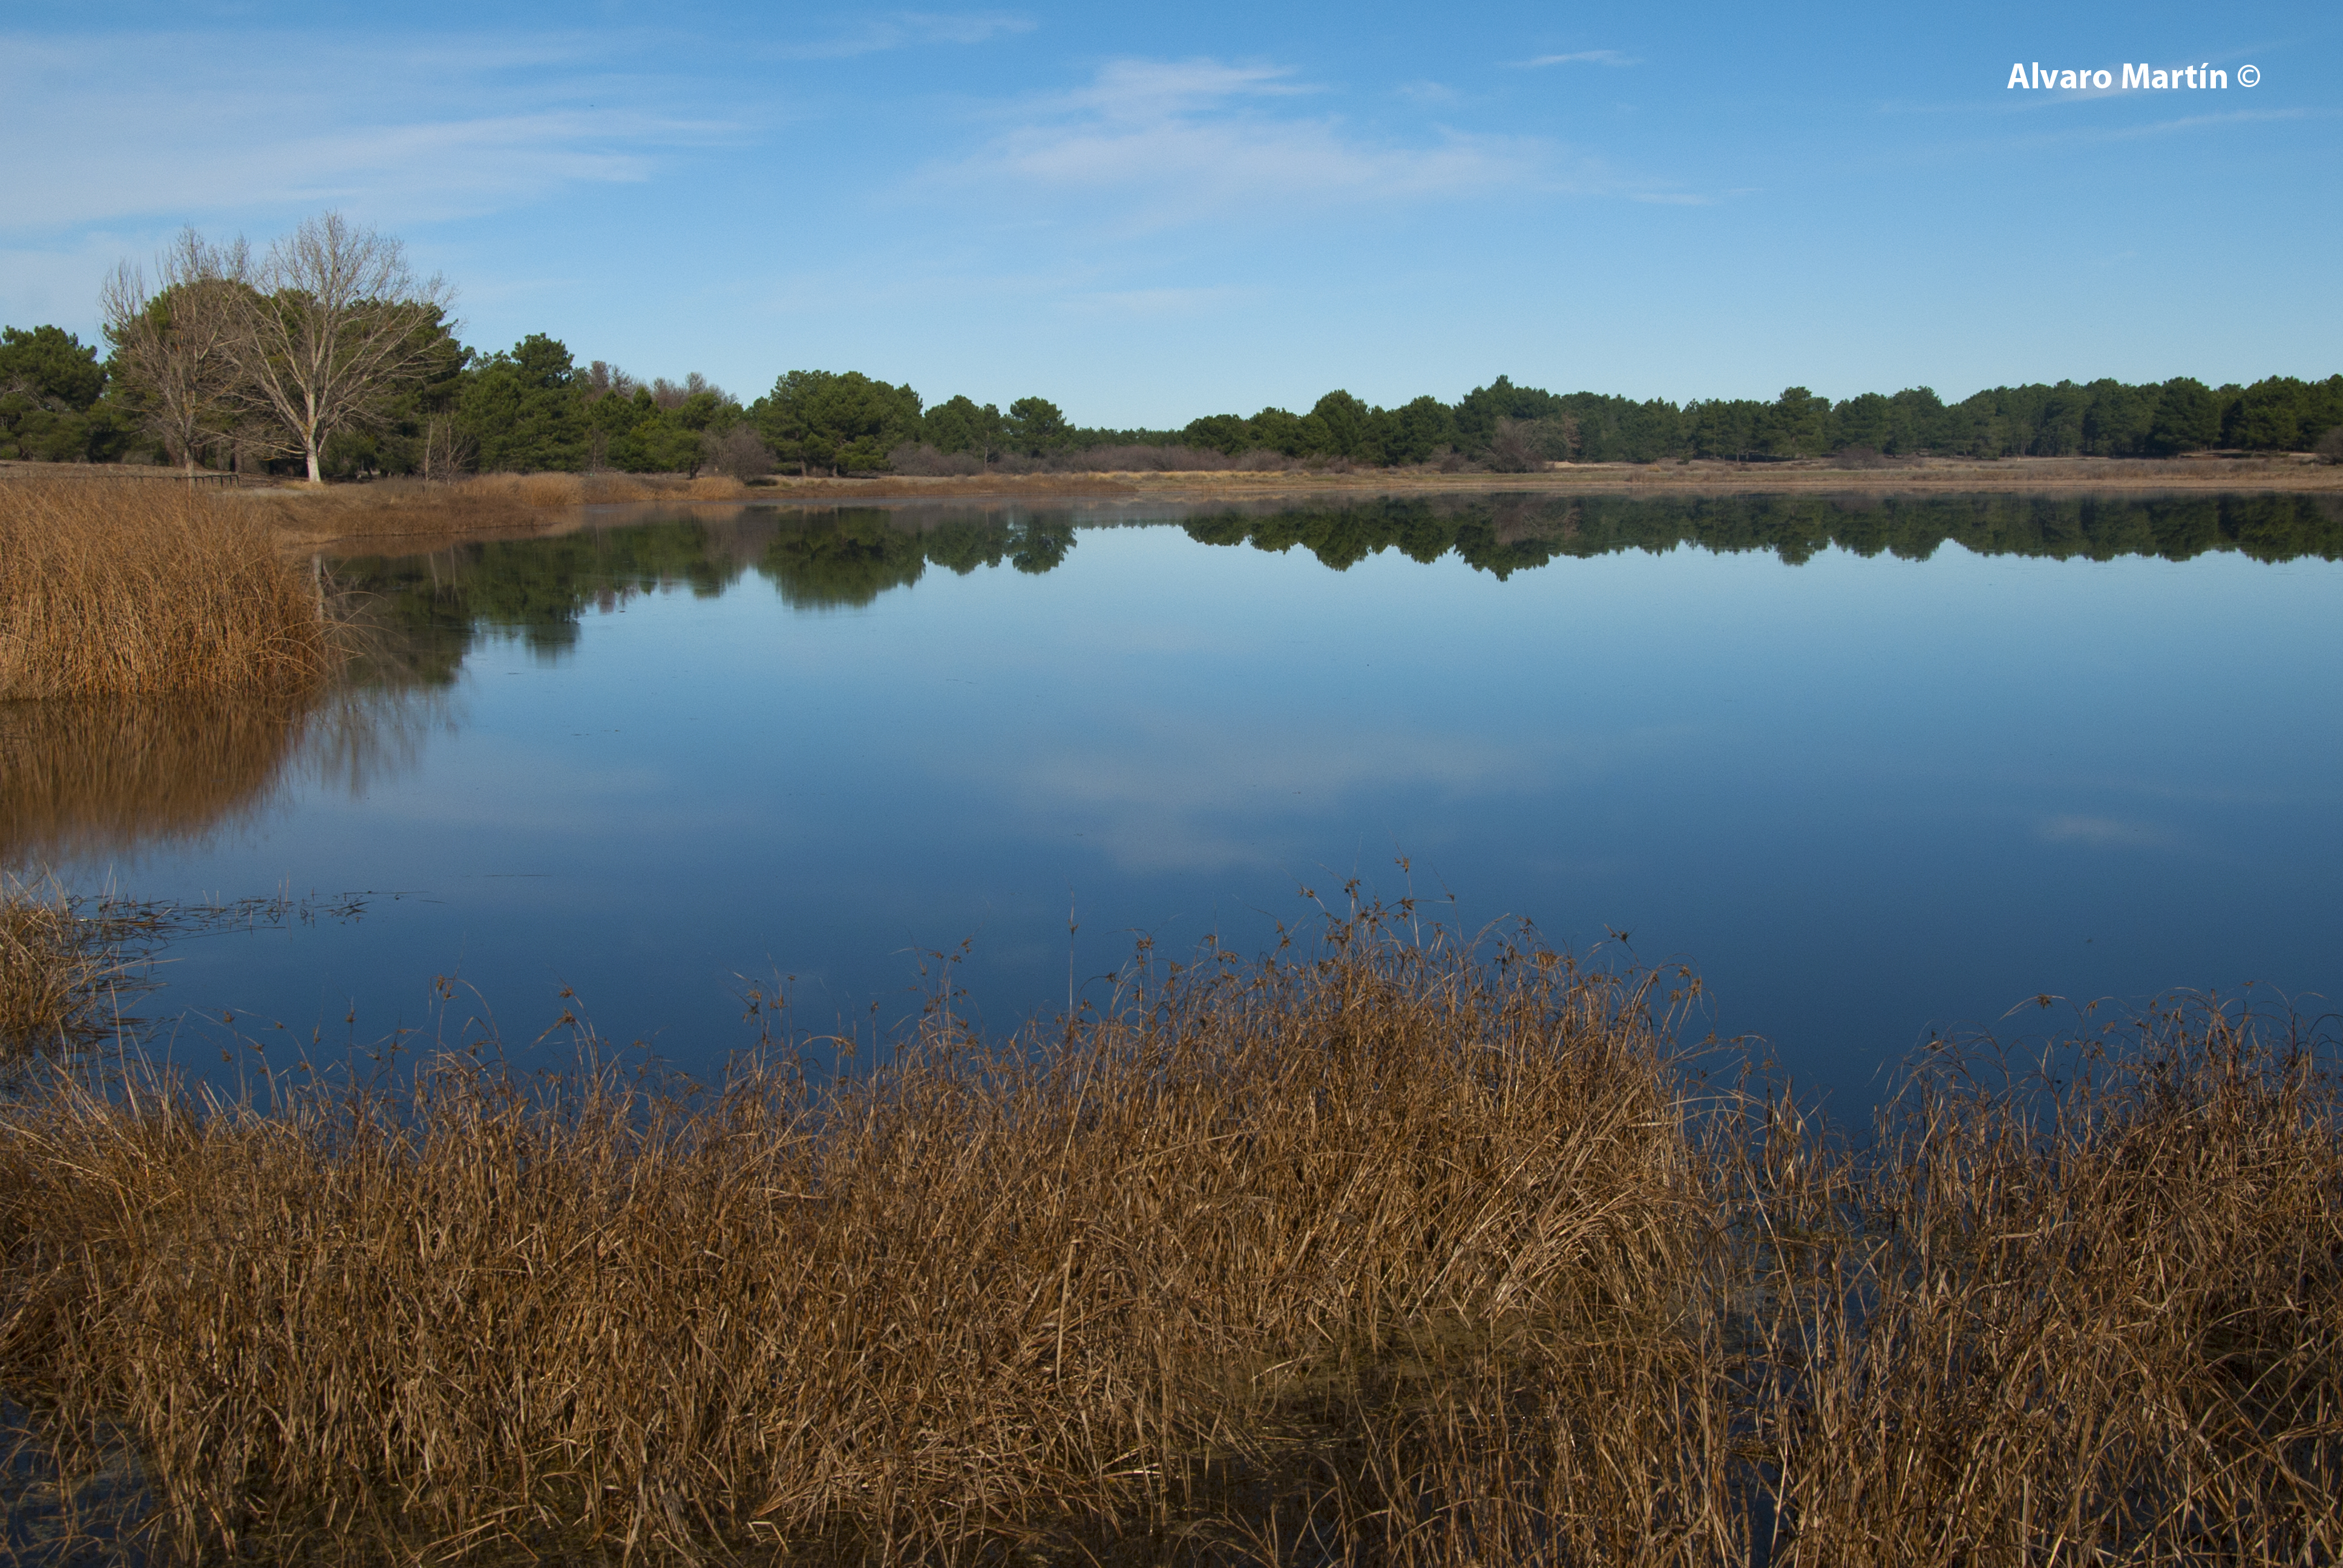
(86, 777)
(1397, 1253)
(54, 975)
(124, 588)
(489, 503)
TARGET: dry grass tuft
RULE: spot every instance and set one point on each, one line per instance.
(1394, 1254)
(112, 589)
(53, 974)
(2097, 1318)
(487, 503)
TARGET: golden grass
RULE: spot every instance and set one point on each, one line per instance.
(1395, 1253)
(488, 503)
(54, 970)
(112, 589)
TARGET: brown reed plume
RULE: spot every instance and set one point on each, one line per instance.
(1392, 1251)
(111, 589)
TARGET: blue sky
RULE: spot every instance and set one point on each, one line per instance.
(1153, 213)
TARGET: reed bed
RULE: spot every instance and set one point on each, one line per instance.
(484, 503)
(1395, 1250)
(56, 972)
(128, 589)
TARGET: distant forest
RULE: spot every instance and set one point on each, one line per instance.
(534, 408)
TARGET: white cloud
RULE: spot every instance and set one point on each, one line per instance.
(1151, 145)
(177, 130)
(1581, 57)
(908, 29)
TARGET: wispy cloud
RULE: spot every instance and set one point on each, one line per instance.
(1579, 57)
(171, 129)
(907, 29)
(1151, 145)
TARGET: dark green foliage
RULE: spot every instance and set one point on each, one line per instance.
(843, 423)
(49, 390)
(1035, 425)
(2187, 417)
(523, 411)
(960, 425)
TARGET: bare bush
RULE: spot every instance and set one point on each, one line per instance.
(1522, 446)
(921, 460)
(2330, 445)
(740, 454)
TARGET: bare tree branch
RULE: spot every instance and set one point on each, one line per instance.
(334, 325)
(172, 347)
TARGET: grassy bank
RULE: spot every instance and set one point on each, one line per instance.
(115, 589)
(1392, 1252)
(485, 504)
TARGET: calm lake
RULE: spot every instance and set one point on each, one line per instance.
(1872, 768)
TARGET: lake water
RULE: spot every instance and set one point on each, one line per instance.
(1872, 769)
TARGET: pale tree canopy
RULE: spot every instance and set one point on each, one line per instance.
(333, 327)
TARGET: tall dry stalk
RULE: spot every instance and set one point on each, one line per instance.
(1388, 1247)
(55, 969)
(2094, 1318)
(1391, 1252)
(111, 589)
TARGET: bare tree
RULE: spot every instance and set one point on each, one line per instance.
(173, 348)
(334, 325)
(447, 450)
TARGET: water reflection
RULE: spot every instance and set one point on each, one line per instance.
(82, 781)
(433, 607)
(1864, 796)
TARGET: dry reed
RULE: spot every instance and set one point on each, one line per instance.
(1396, 1252)
(487, 503)
(110, 589)
(54, 975)
(2091, 1316)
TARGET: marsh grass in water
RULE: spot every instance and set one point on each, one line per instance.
(125, 589)
(1393, 1249)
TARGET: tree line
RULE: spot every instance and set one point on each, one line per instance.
(326, 355)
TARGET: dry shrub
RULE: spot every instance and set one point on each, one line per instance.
(126, 588)
(413, 508)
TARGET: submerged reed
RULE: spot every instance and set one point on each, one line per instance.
(54, 970)
(114, 588)
(1398, 1252)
